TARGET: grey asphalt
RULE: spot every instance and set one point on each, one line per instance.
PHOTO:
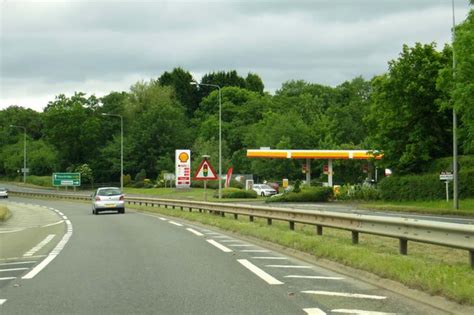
(140, 264)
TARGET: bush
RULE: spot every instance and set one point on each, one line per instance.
(127, 180)
(313, 194)
(44, 181)
(358, 192)
(237, 193)
(212, 184)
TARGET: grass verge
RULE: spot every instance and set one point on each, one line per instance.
(432, 269)
(4, 213)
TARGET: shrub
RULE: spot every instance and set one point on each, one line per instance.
(358, 192)
(312, 194)
(140, 177)
(44, 181)
(236, 193)
(127, 180)
(212, 184)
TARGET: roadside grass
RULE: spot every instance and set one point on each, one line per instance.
(4, 213)
(439, 207)
(433, 269)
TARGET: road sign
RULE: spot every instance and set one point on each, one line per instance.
(25, 170)
(447, 176)
(205, 171)
(183, 168)
(66, 179)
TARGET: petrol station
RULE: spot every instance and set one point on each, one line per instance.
(309, 155)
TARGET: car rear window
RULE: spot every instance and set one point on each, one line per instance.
(109, 192)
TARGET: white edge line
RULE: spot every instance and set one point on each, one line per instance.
(175, 223)
(259, 272)
(255, 251)
(314, 311)
(195, 232)
(17, 263)
(353, 295)
(360, 312)
(289, 266)
(7, 278)
(314, 277)
(220, 246)
(276, 258)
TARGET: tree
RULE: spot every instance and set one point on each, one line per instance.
(404, 119)
(254, 83)
(186, 93)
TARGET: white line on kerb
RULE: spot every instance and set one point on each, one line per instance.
(175, 223)
(259, 272)
(59, 247)
(353, 295)
(220, 246)
(360, 312)
(40, 245)
(314, 311)
(2, 301)
(289, 266)
(195, 232)
(314, 277)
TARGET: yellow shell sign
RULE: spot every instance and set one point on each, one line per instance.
(183, 157)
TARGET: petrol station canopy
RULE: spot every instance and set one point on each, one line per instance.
(315, 154)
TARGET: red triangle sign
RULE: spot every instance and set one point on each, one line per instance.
(205, 171)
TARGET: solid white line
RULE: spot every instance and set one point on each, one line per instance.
(314, 311)
(275, 258)
(255, 251)
(163, 219)
(314, 277)
(212, 233)
(51, 224)
(354, 295)
(11, 231)
(289, 266)
(221, 236)
(360, 312)
(175, 223)
(240, 245)
(7, 278)
(2, 301)
(17, 263)
(195, 232)
(259, 272)
(40, 245)
(220, 246)
(16, 258)
(228, 241)
(12, 269)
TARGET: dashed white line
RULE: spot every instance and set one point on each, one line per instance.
(163, 219)
(51, 224)
(314, 277)
(255, 251)
(17, 263)
(342, 294)
(314, 311)
(195, 232)
(271, 258)
(289, 266)
(360, 312)
(259, 272)
(40, 245)
(220, 246)
(13, 269)
(175, 223)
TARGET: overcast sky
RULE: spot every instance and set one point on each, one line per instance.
(54, 47)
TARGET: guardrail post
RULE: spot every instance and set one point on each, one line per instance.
(236, 216)
(292, 225)
(471, 258)
(222, 214)
(269, 221)
(251, 218)
(173, 207)
(355, 237)
(200, 210)
(319, 229)
(166, 206)
(190, 209)
(403, 246)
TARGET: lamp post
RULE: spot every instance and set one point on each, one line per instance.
(121, 146)
(24, 150)
(455, 138)
(220, 131)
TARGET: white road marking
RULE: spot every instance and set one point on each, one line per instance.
(221, 236)
(255, 251)
(353, 295)
(16, 258)
(195, 232)
(228, 241)
(259, 272)
(240, 245)
(360, 312)
(40, 245)
(12, 269)
(51, 224)
(17, 263)
(175, 223)
(2, 301)
(314, 277)
(11, 231)
(163, 219)
(275, 258)
(220, 246)
(212, 233)
(289, 266)
(55, 252)
(314, 311)
(7, 278)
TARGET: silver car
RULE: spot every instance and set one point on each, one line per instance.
(108, 198)
(3, 192)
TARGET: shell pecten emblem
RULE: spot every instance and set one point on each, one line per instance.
(183, 157)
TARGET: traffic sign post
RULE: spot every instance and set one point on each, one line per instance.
(66, 179)
(446, 177)
(205, 172)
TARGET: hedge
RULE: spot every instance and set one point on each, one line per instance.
(237, 193)
(424, 187)
(313, 194)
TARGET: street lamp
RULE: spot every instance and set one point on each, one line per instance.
(220, 131)
(121, 147)
(455, 137)
(24, 150)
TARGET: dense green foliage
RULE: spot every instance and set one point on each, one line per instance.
(238, 193)
(406, 113)
(312, 194)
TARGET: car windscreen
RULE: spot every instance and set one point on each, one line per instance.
(266, 187)
(109, 192)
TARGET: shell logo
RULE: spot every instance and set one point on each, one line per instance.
(183, 157)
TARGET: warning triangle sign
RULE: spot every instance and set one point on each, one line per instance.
(205, 171)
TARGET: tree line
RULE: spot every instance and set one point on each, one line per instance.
(406, 112)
